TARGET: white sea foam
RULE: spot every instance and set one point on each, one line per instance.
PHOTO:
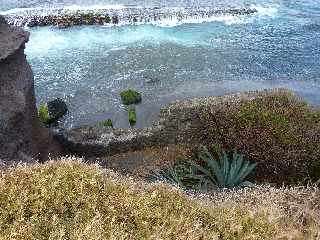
(266, 11)
(227, 19)
(162, 17)
(70, 8)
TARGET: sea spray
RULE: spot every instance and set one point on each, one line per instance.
(119, 15)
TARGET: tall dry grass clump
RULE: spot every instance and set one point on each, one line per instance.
(68, 199)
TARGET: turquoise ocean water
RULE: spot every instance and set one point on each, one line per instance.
(279, 46)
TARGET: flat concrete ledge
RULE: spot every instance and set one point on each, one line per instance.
(11, 39)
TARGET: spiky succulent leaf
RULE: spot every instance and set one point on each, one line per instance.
(214, 167)
(206, 173)
(232, 173)
(249, 168)
(226, 174)
(226, 168)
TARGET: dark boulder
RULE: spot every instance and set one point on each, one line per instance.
(115, 20)
(2, 20)
(57, 109)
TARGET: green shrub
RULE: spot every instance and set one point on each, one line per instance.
(132, 116)
(107, 123)
(88, 18)
(43, 114)
(277, 131)
(130, 97)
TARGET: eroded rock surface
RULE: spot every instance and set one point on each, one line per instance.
(22, 138)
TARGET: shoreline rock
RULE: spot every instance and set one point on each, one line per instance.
(178, 124)
(64, 17)
(22, 138)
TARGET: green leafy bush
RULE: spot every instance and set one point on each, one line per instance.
(132, 116)
(130, 97)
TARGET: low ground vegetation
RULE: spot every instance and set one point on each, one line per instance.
(277, 138)
(279, 132)
(43, 114)
(224, 170)
(68, 199)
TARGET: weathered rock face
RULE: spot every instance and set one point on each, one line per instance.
(22, 138)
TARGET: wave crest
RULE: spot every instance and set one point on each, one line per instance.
(122, 15)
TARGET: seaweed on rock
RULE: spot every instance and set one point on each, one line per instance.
(130, 97)
(132, 116)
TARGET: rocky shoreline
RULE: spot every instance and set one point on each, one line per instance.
(67, 17)
(178, 123)
(263, 124)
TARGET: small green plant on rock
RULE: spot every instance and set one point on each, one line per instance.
(130, 97)
(132, 116)
(44, 115)
(52, 111)
(107, 123)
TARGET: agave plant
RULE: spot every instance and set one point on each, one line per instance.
(225, 173)
(181, 174)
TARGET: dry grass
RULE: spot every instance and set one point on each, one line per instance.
(68, 199)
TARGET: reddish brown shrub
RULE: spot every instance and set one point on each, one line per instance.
(279, 132)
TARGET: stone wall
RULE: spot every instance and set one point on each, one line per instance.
(179, 123)
(22, 138)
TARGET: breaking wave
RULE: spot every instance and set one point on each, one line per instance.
(111, 15)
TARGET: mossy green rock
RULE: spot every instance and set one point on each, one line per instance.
(130, 97)
(57, 108)
(107, 123)
(44, 115)
(52, 111)
(132, 116)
